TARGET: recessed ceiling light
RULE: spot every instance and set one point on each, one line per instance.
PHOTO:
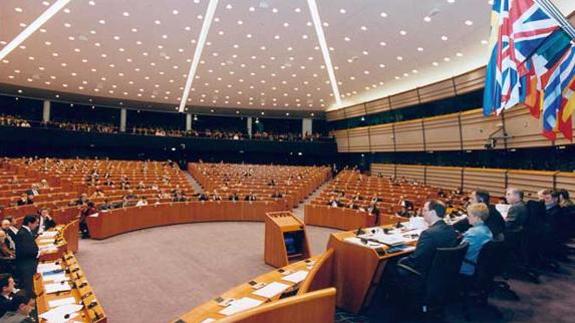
(484, 42)
(18, 9)
(444, 38)
(468, 22)
(102, 21)
(342, 11)
(459, 54)
(364, 28)
(175, 12)
(447, 59)
(228, 6)
(420, 49)
(399, 58)
(383, 14)
(403, 32)
(126, 14)
(297, 10)
(427, 19)
(382, 43)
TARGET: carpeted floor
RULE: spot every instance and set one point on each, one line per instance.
(156, 274)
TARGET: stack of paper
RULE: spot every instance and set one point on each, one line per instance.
(62, 313)
(49, 234)
(60, 302)
(296, 277)
(55, 288)
(49, 266)
(59, 277)
(240, 305)
(271, 290)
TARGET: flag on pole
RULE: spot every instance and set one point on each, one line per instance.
(532, 62)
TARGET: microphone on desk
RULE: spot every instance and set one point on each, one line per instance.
(359, 231)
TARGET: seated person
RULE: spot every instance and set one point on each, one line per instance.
(106, 206)
(216, 196)
(494, 222)
(234, 197)
(334, 202)
(8, 226)
(19, 309)
(250, 197)
(438, 235)
(517, 213)
(82, 200)
(98, 193)
(34, 190)
(410, 273)
(405, 212)
(477, 236)
(564, 200)
(277, 195)
(5, 250)
(8, 288)
(374, 210)
(24, 200)
(143, 201)
(46, 221)
(202, 197)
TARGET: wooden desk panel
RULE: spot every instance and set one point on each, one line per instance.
(118, 221)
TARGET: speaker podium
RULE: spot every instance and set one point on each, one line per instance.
(285, 239)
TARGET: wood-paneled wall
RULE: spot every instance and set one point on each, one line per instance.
(469, 130)
(494, 180)
(464, 83)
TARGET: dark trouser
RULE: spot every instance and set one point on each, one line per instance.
(25, 274)
(400, 284)
(84, 229)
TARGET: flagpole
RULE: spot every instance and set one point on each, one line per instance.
(555, 13)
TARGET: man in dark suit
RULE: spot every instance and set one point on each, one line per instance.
(7, 287)
(408, 275)
(438, 235)
(27, 253)
(494, 222)
(517, 213)
(46, 221)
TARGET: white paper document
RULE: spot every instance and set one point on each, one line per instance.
(296, 277)
(49, 234)
(54, 288)
(54, 278)
(50, 266)
(60, 302)
(271, 290)
(240, 305)
(60, 313)
(208, 320)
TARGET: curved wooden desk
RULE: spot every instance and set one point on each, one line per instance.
(318, 278)
(118, 221)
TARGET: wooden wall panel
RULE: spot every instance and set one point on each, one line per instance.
(377, 106)
(489, 179)
(386, 170)
(358, 139)
(409, 136)
(404, 99)
(437, 91)
(442, 133)
(566, 181)
(530, 181)
(524, 129)
(381, 138)
(341, 140)
(444, 177)
(416, 172)
(357, 110)
(471, 81)
(476, 129)
(334, 115)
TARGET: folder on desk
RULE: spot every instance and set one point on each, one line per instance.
(240, 305)
(271, 290)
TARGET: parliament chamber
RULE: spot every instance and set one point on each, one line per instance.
(287, 161)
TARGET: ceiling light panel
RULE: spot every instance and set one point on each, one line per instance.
(129, 56)
(377, 53)
(262, 58)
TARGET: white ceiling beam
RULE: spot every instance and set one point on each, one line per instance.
(208, 18)
(324, 49)
(35, 25)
